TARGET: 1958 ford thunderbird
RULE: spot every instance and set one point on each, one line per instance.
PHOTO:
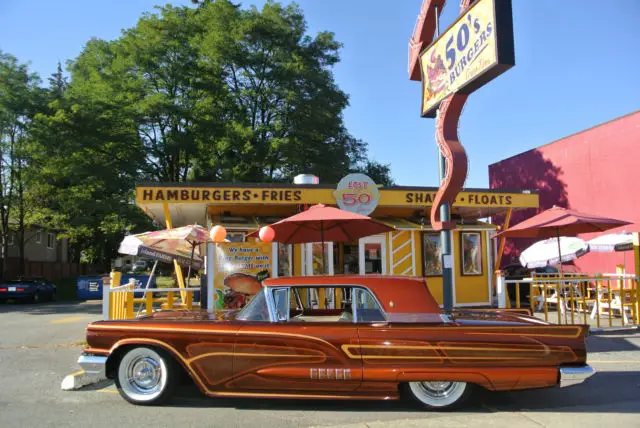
(339, 337)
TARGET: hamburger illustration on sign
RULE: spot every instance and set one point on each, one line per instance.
(241, 287)
(357, 193)
(240, 269)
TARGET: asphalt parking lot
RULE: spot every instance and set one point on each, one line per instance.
(39, 346)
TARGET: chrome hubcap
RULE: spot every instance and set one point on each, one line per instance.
(145, 375)
(437, 389)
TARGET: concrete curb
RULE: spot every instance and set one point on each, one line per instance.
(600, 331)
(79, 380)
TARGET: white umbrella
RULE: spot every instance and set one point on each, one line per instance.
(611, 242)
(547, 252)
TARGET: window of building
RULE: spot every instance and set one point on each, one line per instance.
(431, 254)
(285, 260)
(12, 238)
(471, 253)
(236, 236)
(51, 240)
(38, 237)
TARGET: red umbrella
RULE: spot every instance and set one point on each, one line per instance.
(321, 223)
(551, 222)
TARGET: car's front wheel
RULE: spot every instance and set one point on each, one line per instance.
(439, 395)
(146, 376)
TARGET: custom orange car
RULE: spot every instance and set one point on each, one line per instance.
(339, 337)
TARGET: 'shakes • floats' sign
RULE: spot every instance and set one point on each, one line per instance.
(474, 50)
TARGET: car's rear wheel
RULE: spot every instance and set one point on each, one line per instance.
(146, 376)
(439, 395)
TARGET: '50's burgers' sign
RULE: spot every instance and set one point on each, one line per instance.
(474, 50)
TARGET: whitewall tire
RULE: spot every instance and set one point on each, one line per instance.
(145, 376)
(439, 395)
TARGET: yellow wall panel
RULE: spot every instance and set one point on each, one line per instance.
(401, 260)
(471, 288)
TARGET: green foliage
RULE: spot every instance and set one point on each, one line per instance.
(209, 93)
(20, 100)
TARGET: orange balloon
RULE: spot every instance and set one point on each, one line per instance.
(218, 233)
(267, 234)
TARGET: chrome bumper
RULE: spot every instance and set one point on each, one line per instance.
(93, 364)
(570, 376)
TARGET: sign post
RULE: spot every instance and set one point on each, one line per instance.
(446, 236)
(474, 50)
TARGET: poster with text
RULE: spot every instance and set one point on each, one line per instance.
(239, 269)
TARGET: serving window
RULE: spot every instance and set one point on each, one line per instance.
(431, 254)
(471, 253)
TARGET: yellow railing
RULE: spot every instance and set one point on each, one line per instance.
(612, 300)
(121, 302)
(124, 305)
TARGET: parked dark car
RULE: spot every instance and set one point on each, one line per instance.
(516, 272)
(27, 289)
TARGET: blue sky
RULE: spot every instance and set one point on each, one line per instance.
(576, 66)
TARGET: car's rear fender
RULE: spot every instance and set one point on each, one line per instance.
(490, 378)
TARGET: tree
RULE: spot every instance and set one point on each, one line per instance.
(214, 92)
(225, 94)
(379, 173)
(285, 115)
(87, 155)
(19, 96)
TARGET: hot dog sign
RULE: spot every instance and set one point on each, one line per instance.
(357, 193)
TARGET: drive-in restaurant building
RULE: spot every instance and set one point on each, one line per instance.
(412, 249)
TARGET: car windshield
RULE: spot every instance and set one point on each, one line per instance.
(256, 310)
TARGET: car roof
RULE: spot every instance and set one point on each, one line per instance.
(397, 294)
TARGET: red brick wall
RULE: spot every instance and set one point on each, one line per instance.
(595, 171)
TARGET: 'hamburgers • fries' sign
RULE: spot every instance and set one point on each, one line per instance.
(239, 269)
(473, 51)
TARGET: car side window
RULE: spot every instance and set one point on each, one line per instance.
(256, 310)
(282, 302)
(367, 307)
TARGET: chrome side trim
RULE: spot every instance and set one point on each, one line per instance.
(93, 364)
(570, 376)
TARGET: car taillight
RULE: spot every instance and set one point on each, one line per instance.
(19, 289)
(3, 289)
